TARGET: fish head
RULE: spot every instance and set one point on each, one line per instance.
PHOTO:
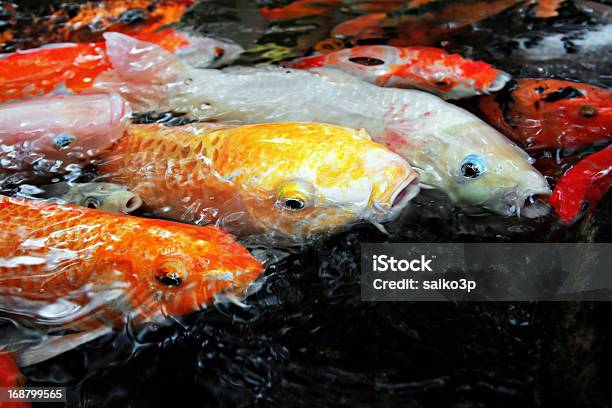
(480, 169)
(176, 269)
(301, 179)
(368, 62)
(102, 196)
(108, 197)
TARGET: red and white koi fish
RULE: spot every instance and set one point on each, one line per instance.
(431, 69)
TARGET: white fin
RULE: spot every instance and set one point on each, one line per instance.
(53, 346)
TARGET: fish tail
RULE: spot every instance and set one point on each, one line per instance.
(140, 72)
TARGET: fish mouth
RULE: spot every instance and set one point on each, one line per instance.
(399, 199)
(531, 204)
(129, 202)
(499, 82)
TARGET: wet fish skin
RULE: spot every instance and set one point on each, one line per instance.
(76, 66)
(281, 182)
(73, 267)
(551, 114)
(431, 69)
(79, 127)
(585, 183)
(435, 137)
(102, 196)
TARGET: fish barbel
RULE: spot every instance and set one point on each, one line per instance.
(453, 150)
(431, 69)
(73, 267)
(281, 181)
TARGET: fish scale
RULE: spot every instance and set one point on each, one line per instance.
(174, 157)
(60, 252)
(246, 178)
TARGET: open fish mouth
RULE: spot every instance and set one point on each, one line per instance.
(500, 81)
(400, 199)
(529, 205)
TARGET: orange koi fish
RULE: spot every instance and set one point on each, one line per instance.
(83, 270)
(432, 69)
(551, 114)
(76, 66)
(299, 9)
(280, 181)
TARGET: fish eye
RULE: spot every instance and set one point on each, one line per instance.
(170, 273)
(587, 111)
(63, 141)
(291, 204)
(367, 61)
(92, 203)
(294, 195)
(219, 52)
(472, 166)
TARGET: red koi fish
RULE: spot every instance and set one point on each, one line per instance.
(431, 69)
(585, 183)
(551, 114)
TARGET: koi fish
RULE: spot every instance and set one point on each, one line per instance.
(86, 22)
(422, 24)
(12, 378)
(453, 150)
(550, 113)
(83, 270)
(101, 196)
(299, 9)
(75, 67)
(131, 17)
(285, 181)
(49, 133)
(431, 69)
(585, 183)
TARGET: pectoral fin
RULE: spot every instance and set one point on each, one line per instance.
(53, 346)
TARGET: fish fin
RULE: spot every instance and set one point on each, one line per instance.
(141, 72)
(139, 60)
(426, 186)
(53, 346)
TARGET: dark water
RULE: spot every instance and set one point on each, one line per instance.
(306, 339)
